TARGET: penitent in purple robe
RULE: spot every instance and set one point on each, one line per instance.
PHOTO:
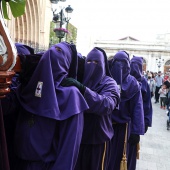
(130, 108)
(10, 118)
(50, 120)
(136, 71)
(102, 96)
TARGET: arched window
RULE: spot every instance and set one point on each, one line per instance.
(167, 63)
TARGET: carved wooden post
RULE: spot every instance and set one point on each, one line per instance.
(5, 81)
(7, 61)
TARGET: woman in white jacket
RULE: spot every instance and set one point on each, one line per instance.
(152, 85)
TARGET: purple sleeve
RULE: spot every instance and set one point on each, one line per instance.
(147, 106)
(137, 114)
(104, 102)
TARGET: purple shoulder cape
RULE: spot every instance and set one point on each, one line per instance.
(43, 95)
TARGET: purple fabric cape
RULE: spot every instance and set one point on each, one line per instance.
(43, 95)
(136, 71)
(102, 96)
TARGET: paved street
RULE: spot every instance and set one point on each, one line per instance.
(155, 145)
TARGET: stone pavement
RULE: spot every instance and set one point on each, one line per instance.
(155, 144)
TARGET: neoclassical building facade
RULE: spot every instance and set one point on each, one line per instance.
(156, 55)
(32, 28)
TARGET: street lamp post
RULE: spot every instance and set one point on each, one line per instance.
(69, 10)
(61, 22)
(62, 19)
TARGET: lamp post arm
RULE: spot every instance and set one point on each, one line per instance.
(67, 21)
(61, 17)
(61, 20)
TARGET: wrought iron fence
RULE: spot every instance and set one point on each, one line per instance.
(37, 48)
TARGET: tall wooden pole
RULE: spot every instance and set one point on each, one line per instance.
(7, 61)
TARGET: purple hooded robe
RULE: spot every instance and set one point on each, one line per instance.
(130, 108)
(50, 121)
(136, 71)
(10, 119)
(102, 96)
(136, 65)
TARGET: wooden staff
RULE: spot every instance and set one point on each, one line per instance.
(8, 51)
(7, 61)
(5, 81)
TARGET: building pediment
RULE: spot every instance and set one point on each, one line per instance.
(128, 38)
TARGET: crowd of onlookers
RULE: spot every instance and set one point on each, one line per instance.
(159, 85)
(160, 89)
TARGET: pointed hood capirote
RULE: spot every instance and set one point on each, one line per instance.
(120, 71)
(120, 66)
(96, 68)
(23, 49)
(43, 94)
(136, 65)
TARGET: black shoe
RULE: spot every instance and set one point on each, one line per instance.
(156, 102)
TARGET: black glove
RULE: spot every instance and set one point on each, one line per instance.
(72, 82)
(146, 129)
(134, 139)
